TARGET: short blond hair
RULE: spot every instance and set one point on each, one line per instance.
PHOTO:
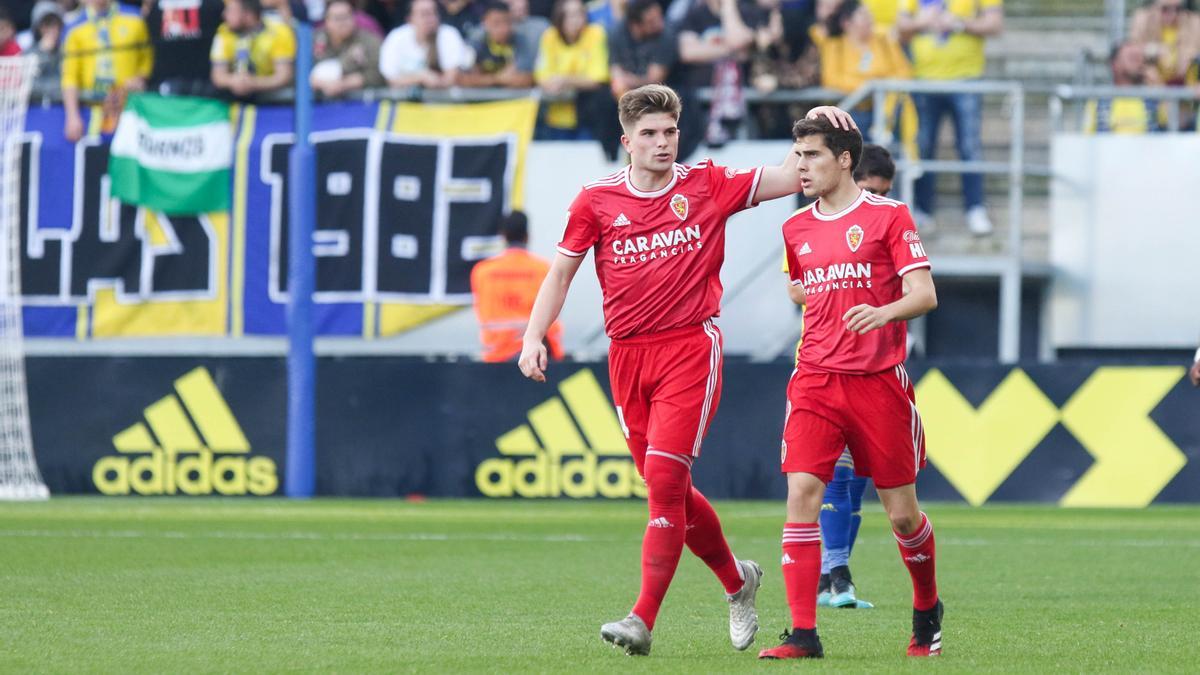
(648, 100)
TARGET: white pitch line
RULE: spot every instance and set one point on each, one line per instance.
(297, 536)
(531, 538)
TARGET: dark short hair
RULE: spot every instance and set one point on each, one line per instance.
(330, 3)
(5, 17)
(840, 15)
(636, 10)
(837, 140)
(514, 227)
(495, 6)
(876, 161)
(252, 6)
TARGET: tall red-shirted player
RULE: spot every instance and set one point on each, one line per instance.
(657, 230)
(864, 272)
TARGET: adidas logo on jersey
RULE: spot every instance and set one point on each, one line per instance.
(804, 250)
(787, 560)
(661, 522)
(620, 221)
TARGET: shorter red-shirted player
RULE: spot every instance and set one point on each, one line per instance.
(864, 272)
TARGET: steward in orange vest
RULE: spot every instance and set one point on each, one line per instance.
(504, 288)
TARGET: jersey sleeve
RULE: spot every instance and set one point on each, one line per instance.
(733, 189)
(791, 265)
(583, 230)
(908, 253)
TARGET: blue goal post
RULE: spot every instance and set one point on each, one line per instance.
(301, 475)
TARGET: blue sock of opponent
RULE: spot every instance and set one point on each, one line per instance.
(835, 520)
(856, 488)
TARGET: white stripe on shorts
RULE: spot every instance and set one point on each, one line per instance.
(710, 386)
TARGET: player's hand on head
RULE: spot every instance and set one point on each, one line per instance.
(863, 319)
(839, 118)
(533, 362)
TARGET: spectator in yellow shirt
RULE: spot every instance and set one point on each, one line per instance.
(1170, 35)
(853, 52)
(884, 12)
(946, 38)
(1124, 114)
(573, 57)
(252, 54)
(105, 53)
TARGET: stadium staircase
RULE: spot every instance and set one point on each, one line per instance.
(1042, 46)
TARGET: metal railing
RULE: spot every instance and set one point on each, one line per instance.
(1008, 267)
(1171, 98)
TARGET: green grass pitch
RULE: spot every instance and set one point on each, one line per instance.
(167, 586)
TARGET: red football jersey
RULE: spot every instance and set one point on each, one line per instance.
(658, 254)
(854, 257)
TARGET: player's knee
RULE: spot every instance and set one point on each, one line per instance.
(804, 502)
(904, 521)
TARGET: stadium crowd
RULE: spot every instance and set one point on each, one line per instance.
(582, 56)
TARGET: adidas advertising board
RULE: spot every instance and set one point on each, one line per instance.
(1071, 434)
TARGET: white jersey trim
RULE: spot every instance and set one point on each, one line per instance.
(862, 197)
(883, 201)
(908, 268)
(657, 193)
(567, 251)
(613, 178)
(750, 201)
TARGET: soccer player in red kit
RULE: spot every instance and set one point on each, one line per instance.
(864, 272)
(657, 230)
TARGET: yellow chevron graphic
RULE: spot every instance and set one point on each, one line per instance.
(1110, 416)
(977, 449)
(551, 458)
(191, 447)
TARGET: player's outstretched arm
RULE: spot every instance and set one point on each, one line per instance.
(920, 298)
(784, 180)
(546, 306)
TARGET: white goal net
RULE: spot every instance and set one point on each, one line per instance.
(19, 477)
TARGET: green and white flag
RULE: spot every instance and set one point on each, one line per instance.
(172, 154)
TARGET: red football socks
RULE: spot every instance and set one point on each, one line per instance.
(801, 571)
(707, 541)
(668, 482)
(917, 551)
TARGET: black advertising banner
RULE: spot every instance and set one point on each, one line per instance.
(1077, 435)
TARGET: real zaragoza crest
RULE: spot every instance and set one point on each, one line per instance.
(679, 205)
(854, 237)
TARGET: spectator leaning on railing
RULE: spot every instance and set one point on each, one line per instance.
(252, 54)
(423, 52)
(46, 43)
(501, 57)
(853, 52)
(573, 59)
(182, 32)
(714, 41)
(641, 50)
(1170, 36)
(1125, 114)
(346, 57)
(947, 39)
(105, 53)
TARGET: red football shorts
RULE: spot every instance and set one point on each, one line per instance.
(666, 387)
(874, 415)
